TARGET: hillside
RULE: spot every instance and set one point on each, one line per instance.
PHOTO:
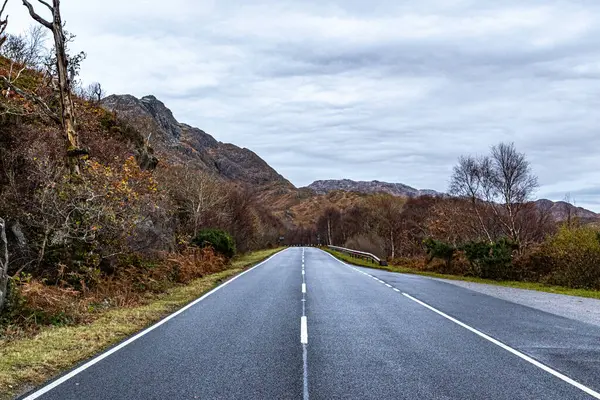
(395, 189)
(180, 143)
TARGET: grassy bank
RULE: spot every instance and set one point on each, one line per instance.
(514, 284)
(25, 363)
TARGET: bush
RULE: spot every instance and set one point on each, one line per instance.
(440, 250)
(491, 260)
(574, 254)
(219, 240)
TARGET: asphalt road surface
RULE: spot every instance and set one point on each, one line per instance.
(305, 325)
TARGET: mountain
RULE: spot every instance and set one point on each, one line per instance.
(561, 210)
(176, 142)
(347, 185)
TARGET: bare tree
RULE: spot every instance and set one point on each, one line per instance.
(64, 79)
(467, 182)
(503, 180)
(93, 93)
(3, 263)
(25, 50)
(329, 223)
(570, 213)
(96, 91)
(387, 215)
(3, 242)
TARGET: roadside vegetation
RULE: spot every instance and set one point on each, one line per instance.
(29, 360)
(91, 219)
(415, 270)
(488, 230)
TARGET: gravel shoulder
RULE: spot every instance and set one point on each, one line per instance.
(573, 307)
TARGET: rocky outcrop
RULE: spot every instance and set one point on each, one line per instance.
(181, 143)
(395, 189)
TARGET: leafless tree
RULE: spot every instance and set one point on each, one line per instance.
(387, 215)
(64, 80)
(569, 210)
(25, 50)
(93, 93)
(503, 181)
(3, 242)
(329, 224)
(467, 182)
(96, 92)
(3, 263)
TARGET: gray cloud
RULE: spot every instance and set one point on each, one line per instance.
(365, 90)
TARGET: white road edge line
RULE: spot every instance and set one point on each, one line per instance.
(303, 330)
(517, 353)
(101, 357)
(304, 288)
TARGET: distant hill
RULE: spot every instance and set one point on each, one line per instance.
(347, 185)
(561, 210)
(176, 142)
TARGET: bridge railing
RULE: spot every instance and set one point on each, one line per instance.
(360, 254)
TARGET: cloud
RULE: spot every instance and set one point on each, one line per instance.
(385, 90)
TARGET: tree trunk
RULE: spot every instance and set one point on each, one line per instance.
(393, 247)
(66, 99)
(64, 84)
(3, 263)
(329, 231)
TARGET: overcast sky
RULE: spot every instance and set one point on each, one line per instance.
(371, 89)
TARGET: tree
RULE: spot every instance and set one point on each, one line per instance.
(3, 241)
(387, 216)
(329, 225)
(3, 263)
(95, 92)
(467, 182)
(501, 183)
(65, 75)
(25, 50)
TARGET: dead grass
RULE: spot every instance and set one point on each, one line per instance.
(28, 362)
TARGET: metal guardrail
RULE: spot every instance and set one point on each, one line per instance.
(360, 254)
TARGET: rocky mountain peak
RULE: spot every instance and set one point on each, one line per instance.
(395, 189)
(183, 144)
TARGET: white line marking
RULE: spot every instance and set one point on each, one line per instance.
(388, 285)
(101, 357)
(303, 330)
(510, 349)
(304, 288)
(304, 373)
(396, 290)
(303, 272)
(517, 353)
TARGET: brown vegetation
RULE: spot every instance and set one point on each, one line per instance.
(104, 227)
(489, 229)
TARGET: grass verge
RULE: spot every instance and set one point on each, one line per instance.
(26, 363)
(540, 287)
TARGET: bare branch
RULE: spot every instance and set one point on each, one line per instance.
(47, 5)
(35, 16)
(29, 96)
(3, 23)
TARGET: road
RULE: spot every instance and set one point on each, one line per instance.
(305, 325)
